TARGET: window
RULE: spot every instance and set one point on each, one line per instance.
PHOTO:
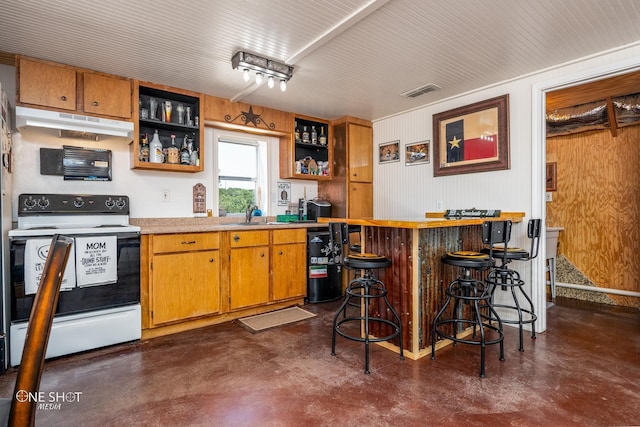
(241, 174)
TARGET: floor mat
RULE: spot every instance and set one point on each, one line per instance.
(262, 322)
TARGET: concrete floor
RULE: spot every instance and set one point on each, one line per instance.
(584, 371)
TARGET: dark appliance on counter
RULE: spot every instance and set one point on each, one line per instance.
(100, 303)
(324, 276)
(317, 208)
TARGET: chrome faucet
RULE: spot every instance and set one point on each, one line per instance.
(249, 212)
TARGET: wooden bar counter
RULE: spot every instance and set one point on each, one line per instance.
(417, 279)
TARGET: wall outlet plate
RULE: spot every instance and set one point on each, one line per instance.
(548, 196)
(165, 196)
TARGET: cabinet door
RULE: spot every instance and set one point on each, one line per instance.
(46, 84)
(107, 95)
(249, 276)
(185, 285)
(289, 271)
(360, 200)
(360, 153)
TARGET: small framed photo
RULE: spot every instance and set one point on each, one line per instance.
(284, 193)
(389, 152)
(416, 153)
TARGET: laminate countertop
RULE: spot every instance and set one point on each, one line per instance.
(209, 224)
(431, 220)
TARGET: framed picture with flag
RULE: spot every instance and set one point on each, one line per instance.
(473, 138)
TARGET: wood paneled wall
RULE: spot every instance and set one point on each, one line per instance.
(598, 203)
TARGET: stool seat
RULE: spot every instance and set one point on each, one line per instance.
(468, 259)
(511, 254)
(365, 261)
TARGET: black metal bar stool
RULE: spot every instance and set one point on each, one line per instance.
(465, 291)
(501, 276)
(364, 289)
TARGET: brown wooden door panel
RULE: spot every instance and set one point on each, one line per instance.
(249, 276)
(107, 96)
(360, 204)
(163, 243)
(185, 285)
(46, 84)
(360, 140)
(289, 271)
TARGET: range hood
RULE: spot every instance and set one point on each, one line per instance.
(33, 117)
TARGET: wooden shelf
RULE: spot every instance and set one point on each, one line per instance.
(143, 93)
(297, 155)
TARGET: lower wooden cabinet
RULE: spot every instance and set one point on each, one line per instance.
(267, 266)
(289, 272)
(184, 277)
(185, 285)
(191, 277)
(249, 268)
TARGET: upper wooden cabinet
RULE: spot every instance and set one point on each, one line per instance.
(351, 189)
(62, 87)
(106, 95)
(46, 84)
(360, 152)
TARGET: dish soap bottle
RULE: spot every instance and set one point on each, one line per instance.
(155, 149)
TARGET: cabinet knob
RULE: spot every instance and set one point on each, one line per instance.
(262, 255)
(355, 174)
(236, 237)
(64, 98)
(190, 242)
(211, 260)
(94, 103)
(280, 253)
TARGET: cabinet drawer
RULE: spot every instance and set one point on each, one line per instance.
(239, 239)
(297, 235)
(163, 243)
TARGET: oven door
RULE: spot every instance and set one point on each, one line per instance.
(126, 291)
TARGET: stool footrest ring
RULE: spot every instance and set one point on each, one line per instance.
(369, 339)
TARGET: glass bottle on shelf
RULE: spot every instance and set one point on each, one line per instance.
(155, 149)
(144, 148)
(173, 153)
(314, 135)
(297, 133)
(305, 135)
(322, 139)
(185, 156)
(194, 159)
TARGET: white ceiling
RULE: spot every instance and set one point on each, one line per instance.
(351, 57)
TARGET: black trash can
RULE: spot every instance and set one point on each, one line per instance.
(324, 278)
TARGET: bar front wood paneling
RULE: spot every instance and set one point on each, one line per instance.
(417, 279)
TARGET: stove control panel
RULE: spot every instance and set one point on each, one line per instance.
(72, 204)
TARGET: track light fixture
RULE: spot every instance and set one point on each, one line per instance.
(263, 67)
